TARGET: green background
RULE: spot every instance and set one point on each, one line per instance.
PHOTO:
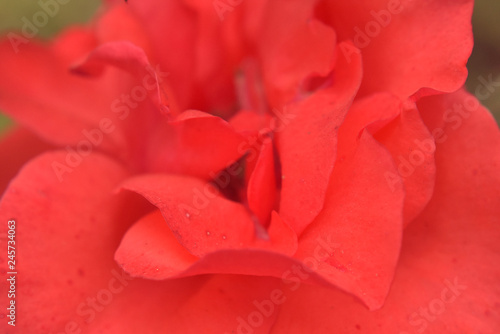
(485, 60)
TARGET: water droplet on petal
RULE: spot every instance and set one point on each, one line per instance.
(224, 237)
(208, 232)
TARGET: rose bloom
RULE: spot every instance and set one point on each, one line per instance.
(245, 167)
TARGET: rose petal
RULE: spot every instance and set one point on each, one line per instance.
(104, 122)
(17, 147)
(446, 277)
(412, 148)
(363, 217)
(203, 76)
(262, 188)
(190, 306)
(362, 214)
(392, 36)
(201, 220)
(196, 144)
(249, 122)
(245, 309)
(306, 141)
(150, 250)
(119, 23)
(65, 237)
(128, 57)
(27, 89)
(287, 63)
(115, 118)
(217, 51)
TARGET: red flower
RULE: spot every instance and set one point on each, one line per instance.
(250, 167)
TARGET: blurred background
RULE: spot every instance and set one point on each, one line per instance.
(484, 63)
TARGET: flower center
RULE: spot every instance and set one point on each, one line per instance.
(254, 181)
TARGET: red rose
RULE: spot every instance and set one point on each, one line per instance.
(250, 167)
